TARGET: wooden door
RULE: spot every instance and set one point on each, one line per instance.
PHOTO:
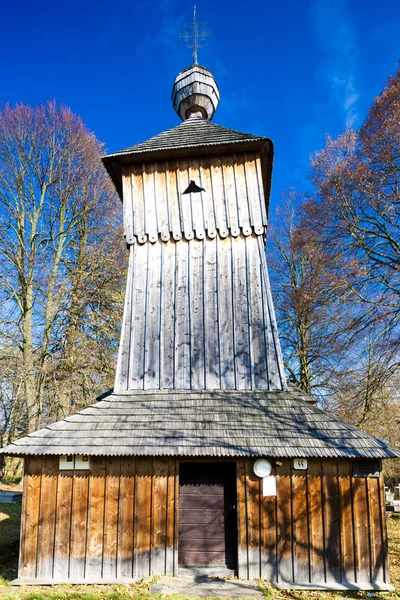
(207, 514)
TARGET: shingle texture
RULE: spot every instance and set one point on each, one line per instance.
(276, 424)
(189, 134)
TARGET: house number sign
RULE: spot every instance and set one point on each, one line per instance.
(300, 464)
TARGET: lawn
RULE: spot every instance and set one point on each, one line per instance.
(9, 541)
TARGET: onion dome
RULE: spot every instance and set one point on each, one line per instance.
(195, 93)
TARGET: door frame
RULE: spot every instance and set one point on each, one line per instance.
(194, 459)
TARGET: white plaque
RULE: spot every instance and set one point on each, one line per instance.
(269, 485)
(300, 464)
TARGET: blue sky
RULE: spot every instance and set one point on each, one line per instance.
(292, 71)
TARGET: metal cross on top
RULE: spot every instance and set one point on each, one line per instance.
(194, 35)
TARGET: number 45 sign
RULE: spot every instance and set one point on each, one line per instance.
(300, 464)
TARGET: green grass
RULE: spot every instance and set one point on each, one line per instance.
(10, 515)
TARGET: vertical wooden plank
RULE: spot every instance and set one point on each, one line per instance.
(241, 191)
(332, 520)
(30, 521)
(63, 525)
(196, 301)
(347, 531)
(259, 373)
(138, 208)
(197, 200)
(160, 191)
(159, 516)
(143, 517)
(243, 563)
(359, 485)
(111, 513)
(47, 518)
(261, 191)
(170, 517)
(253, 500)
(375, 530)
(253, 192)
(225, 314)
(301, 540)
(149, 198)
(219, 197)
(176, 520)
(80, 497)
(122, 372)
(230, 194)
(268, 528)
(385, 550)
(241, 311)
(128, 204)
(94, 553)
(275, 368)
(167, 339)
(152, 318)
(23, 516)
(138, 324)
(317, 554)
(173, 200)
(126, 518)
(285, 538)
(182, 321)
(212, 353)
(208, 197)
(182, 179)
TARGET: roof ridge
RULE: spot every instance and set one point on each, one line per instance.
(226, 135)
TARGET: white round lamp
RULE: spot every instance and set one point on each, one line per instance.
(262, 468)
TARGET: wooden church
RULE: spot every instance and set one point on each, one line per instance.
(202, 459)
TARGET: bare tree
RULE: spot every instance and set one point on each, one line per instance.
(311, 318)
(357, 213)
(57, 207)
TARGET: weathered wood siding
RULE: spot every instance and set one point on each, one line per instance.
(232, 203)
(199, 315)
(324, 526)
(119, 521)
(114, 522)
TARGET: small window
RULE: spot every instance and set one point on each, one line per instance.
(366, 468)
(71, 462)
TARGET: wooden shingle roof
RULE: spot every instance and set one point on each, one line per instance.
(199, 136)
(203, 424)
(190, 133)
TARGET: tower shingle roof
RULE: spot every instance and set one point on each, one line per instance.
(201, 135)
(212, 424)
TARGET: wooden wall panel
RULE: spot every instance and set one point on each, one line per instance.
(253, 502)
(63, 524)
(331, 505)
(324, 526)
(360, 503)
(119, 521)
(143, 506)
(268, 537)
(285, 537)
(95, 544)
(111, 514)
(301, 546)
(80, 496)
(317, 555)
(126, 518)
(47, 517)
(347, 523)
(159, 516)
(30, 517)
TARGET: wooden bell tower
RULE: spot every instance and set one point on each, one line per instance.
(198, 310)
